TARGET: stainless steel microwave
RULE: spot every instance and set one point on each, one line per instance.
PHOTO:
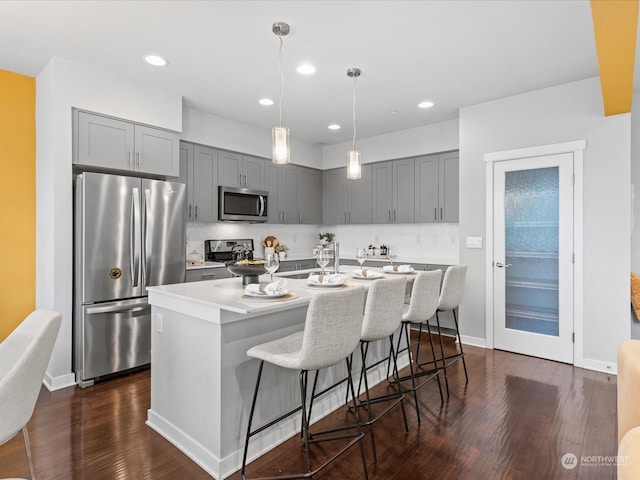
(242, 205)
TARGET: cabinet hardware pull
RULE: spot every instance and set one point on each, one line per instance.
(240, 178)
(440, 213)
(344, 217)
(394, 216)
(435, 213)
(349, 217)
(189, 216)
(299, 217)
(129, 158)
(245, 179)
(196, 211)
(139, 155)
(208, 275)
(389, 215)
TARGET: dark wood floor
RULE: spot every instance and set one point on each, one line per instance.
(515, 419)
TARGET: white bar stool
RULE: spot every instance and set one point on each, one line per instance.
(331, 333)
(422, 306)
(382, 317)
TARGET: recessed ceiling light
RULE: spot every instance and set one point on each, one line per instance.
(393, 113)
(426, 104)
(265, 101)
(334, 126)
(155, 60)
(306, 69)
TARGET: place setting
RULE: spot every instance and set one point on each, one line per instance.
(324, 279)
(274, 290)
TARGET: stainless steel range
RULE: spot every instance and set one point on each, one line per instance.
(225, 250)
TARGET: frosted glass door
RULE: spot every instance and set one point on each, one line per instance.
(533, 256)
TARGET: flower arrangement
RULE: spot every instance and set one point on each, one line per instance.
(281, 248)
(327, 237)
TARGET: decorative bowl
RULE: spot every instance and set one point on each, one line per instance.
(249, 270)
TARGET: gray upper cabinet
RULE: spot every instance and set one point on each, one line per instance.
(393, 191)
(271, 174)
(309, 196)
(198, 170)
(436, 188)
(109, 143)
(244, 171)
(288, 193)
(347, 201)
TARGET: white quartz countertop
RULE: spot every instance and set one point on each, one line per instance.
(228, 294)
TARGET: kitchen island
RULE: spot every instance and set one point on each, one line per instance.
(202, 380)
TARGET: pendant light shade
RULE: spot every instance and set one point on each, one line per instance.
(354, 165)
(354, 169)
(281, 151)
(280, 146)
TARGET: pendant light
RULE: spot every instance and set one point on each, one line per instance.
(354, 166)
(281, 149)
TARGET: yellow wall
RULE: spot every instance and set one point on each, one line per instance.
(17, 199)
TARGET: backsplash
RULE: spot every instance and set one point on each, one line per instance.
(415, 240)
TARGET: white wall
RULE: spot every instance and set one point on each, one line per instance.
(435, 138)
(554, 115)
(60, 86)
(635, 182)
(206, 129)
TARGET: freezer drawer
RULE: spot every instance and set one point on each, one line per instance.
(113, 337)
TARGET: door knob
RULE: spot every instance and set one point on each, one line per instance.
(502, 265)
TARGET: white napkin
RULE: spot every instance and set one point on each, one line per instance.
(366, 273)
(277, 287)
(329, 279)
(398, 268)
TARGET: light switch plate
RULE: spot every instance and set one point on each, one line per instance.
(474, 242)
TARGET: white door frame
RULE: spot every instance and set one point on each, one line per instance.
(576, 148)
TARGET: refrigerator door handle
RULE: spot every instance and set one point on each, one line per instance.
(134, 239)
(114, 309)
(147, 248)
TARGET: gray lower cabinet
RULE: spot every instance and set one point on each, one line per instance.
(294, 265)
(346, 201)
(242, 171)
(200, 274)
(109, 143)
(393, 191)
(198, 170)
(436, 188)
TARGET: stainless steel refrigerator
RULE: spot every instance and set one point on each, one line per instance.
(129, 233)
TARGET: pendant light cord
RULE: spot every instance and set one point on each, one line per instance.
(355, 79)
(281, 79)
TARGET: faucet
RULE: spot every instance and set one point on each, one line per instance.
(336, 257)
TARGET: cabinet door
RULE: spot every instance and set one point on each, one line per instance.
(449, 190)
(105, 142)
(382, 192)
(205, 185)
(253, 172)
(426, 186)
(403, 191)
(186, 175)
(334, 196)
(157, 151)
(271, 174)
(288, 193)
(230, 171)
(309, 196)
(360, 197)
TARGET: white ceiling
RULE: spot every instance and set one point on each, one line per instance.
(223, 56)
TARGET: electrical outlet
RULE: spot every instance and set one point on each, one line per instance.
(160, 323)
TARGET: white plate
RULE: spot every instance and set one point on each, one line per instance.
(265, 295)
(325, 285)
(394, 272)
(370, 275)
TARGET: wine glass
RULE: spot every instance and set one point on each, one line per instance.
(391, 256)
(323, 259)
(271, 263)
(361, 256)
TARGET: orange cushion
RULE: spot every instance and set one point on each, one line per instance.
(635, 293)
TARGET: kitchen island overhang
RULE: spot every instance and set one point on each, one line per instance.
(202, 380)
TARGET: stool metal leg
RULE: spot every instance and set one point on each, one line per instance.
(444, 362)
(464, 363)
(253, 408)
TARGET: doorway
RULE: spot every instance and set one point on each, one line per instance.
(531, 253)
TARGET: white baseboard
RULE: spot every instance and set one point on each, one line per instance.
(475, 341)
(59, 382)
(598, 366)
